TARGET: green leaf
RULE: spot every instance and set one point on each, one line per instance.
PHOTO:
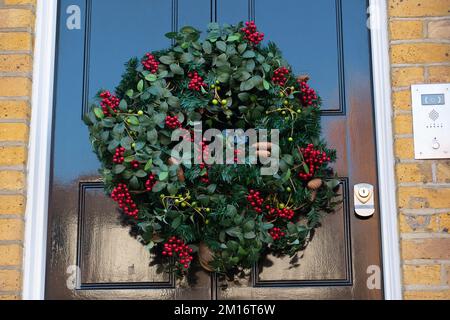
(207, 47)
(250, 235)
(234, 232)
(99, 113)
(151, 77)
(123, 105)
(130, 93)
(140, 86)
(141, 174)
(159, 186)
(148, 165)
(134, 183)
(234, 37)
(222, 46)
(249, 54)
(171, 35)
(167, 60)
(118, 169)
(152, 136)
(163, 175)
(176, 69)
(177, 222)
(186, 58)
(133, 120)
(266, 84)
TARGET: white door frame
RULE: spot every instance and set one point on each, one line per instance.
(40, 147)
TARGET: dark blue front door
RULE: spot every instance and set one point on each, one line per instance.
(90, 255)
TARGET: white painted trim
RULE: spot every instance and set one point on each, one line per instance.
(385, 149)
(40, 142)
(39, 151)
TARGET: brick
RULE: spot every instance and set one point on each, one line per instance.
(447, 274)
(10, 156)
(404, 148)
(405, 30)
(436, 248)
(418, 8)
(15, 63)
(403, 124)
(401, 100)
(12, 204)
(423, 197)
(13, 132)
(421, 275)
(440, 74)
(402, 77)
(9, 297)
(19, 2)
(427, 295)
(414, 172)
(444, 222)
(419, 223)
(10, 255)
(16, 18)
(10, 280)
(420, 53)
(443, 171)
(15, 87)
(14, 110)
(12, 180)
(11, 229)
(15, 41)
(439, 29)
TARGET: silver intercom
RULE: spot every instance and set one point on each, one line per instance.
(431, 119)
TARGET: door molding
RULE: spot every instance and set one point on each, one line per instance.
(38, 168)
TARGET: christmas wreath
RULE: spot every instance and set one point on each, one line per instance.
(228, 213)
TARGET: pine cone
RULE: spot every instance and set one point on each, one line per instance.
(315, 184)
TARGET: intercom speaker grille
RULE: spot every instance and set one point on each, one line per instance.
(434, 115)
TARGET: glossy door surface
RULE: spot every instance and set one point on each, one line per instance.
(91, 255)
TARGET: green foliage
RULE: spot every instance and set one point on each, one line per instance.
(216, 212)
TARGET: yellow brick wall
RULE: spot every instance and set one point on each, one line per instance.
(420, 53)
(16, 43)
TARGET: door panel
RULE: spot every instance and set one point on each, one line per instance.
(326, 39)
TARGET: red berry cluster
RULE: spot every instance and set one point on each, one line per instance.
(109, 103)
(279, 76)
(276, 233)
(314, 159)
(251, 34)
(150, 63)
(177, 248)
(196, 82)
(205, 177)
(122, 196)
(135, 164)
(255, 200)
(285, 213)
(308, 94)
(119, 155)
(150, 183)
(173, 122)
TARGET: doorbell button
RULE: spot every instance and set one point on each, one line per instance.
(364, 200)
(436, 145)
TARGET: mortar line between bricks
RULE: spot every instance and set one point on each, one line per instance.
(4, 192)
(424, 235)
(444, 279)
(10, 293)
(17, 29)
(15, 121)
(28, 75)
(420, 287)
(11, 268)
(18, 6)
(420, 41)
(416, 262)
(13, 169)
(11, 242)
(419, 18)
(433, 64)
(16, 52)
(13, 144)
(426, 185)
(403, 88)
(15, 98)
(424, 211)
(403, 136)
(6, 216)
